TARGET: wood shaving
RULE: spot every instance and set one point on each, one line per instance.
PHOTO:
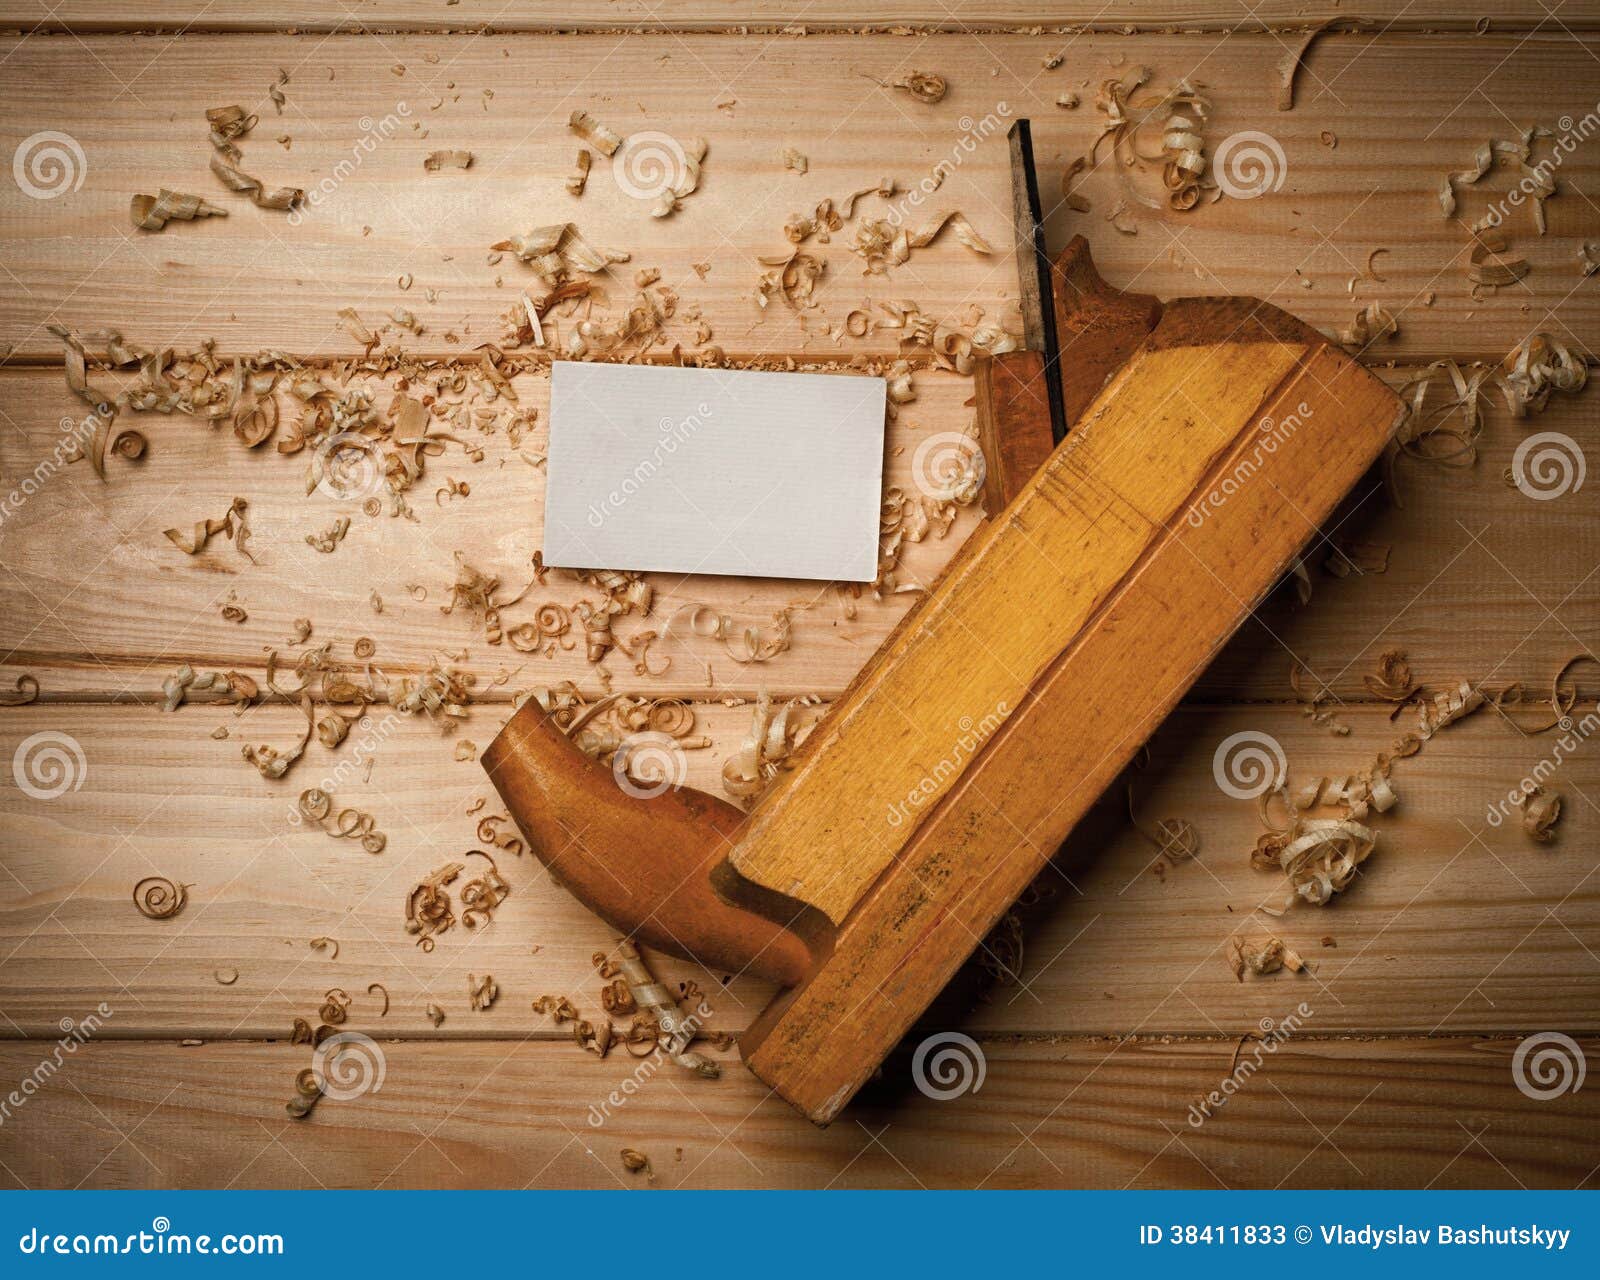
(768, 748)
(1263, 956)
(228, 124)
(24, 692)
(1541, 810)
(481, 992)
(272, 763)
(556, 251)
(1180, 113)
(1489, 265)
(1393, 682)
(924, 86)
(435, 1015)
(676, 1032)
(159, 898)
(329, 539)
(1371, 323)
(438, 160)
(225, 977)
(794, 161)
(232, 524)
(602, 139)
(1295, 58)
(579, 178)
(330, 945)
(152, 213)
(882, 244)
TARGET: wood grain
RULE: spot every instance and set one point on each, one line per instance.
(255, 280)
(1482, 581)
(1454, 925)
(964, 852)
(969, 17)
(1063, 1114)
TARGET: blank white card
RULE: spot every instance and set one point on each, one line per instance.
(714, 471)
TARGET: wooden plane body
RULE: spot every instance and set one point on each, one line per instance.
(1209, 439)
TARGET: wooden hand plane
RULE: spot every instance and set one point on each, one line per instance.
(1151, 469)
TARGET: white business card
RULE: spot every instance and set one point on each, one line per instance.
(714, 471)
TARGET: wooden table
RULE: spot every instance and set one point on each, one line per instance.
(1460, 939)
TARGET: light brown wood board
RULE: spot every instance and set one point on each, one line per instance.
(1455, 925)
(361, 114)
(1315, 1113)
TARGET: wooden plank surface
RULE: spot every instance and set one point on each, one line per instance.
(1067, 1113)
(711, 15)
(1482, 581)
(136, 115)
(1454, 925)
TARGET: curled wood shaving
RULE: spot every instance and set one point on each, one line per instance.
(228, 124)
(378, 986)
(1541, 810)
(307, 1090)
(794, 161)
(1263, 956)
(152, 213)
(924, 86)
(435, 1015)
(773, 738)
(635, 1161)
(330, 945)
(437, 160)
(232, 524)
(1371, 323)
(1448, 707)
(428, 909)
(602, 139)
(481, 992)
(159, 898)
(1394, 682)
(579, 178)
(1536, 367)
(556, 251)
(1588, 258)
(1295, 58)
(24, 692)
(1487, 264)
(882, 244)
(272, 763)
(654, 998)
